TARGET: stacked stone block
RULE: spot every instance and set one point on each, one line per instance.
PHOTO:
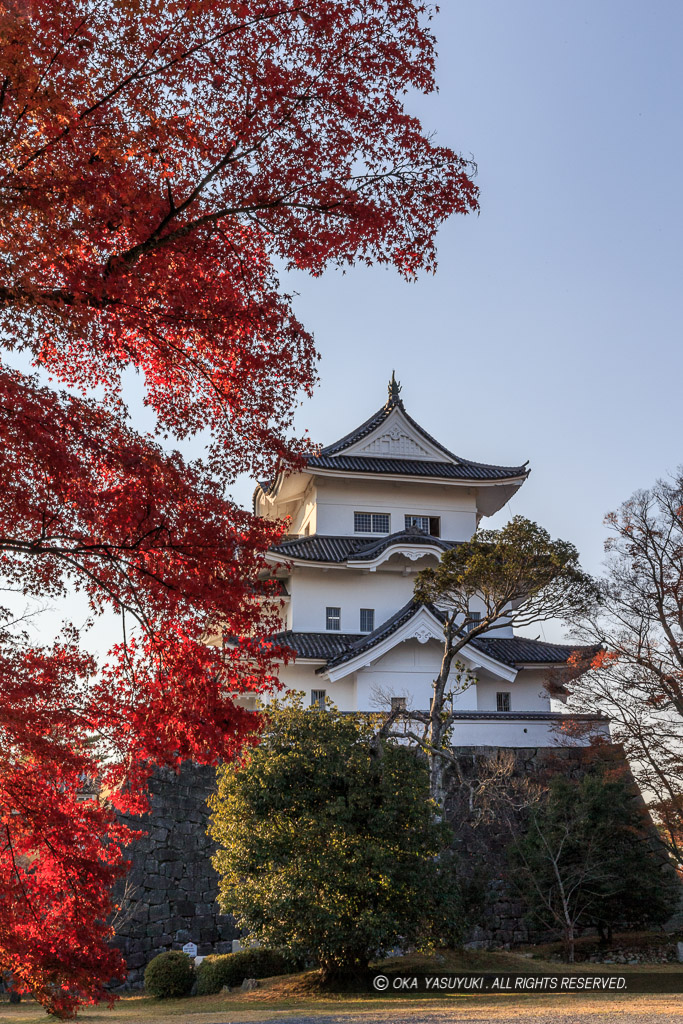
(174, 886)
(170, 894)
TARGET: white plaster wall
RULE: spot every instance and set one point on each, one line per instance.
(302, 676)
(408, 670)
(337, 500)
(313, 590)
(515, 733)
(304, 520)
(526, 692)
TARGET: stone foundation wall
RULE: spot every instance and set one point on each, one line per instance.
(172, 887)
(500, 913)
(170, 894)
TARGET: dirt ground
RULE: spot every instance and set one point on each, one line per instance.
(544, 1009)
(298, 999)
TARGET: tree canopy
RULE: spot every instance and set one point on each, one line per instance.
(520, 576)
(158, 158)
(589, 856)
(328, 851)
(637, 619)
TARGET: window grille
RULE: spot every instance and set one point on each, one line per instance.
(371, 522)
(318, 699)
(398, 703)
(333, 618)
(367, 620)
(475, 619)
(430, 524)
(502, 702)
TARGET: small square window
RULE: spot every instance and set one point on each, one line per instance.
(318, 699)
(502, 702)
(371, 522)
(418, 523)
(429, 524)
(475, 619)
(398, 703)
(248, 701)
(367, 620)
(333, 618)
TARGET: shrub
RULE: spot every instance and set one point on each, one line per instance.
(170, 975)
(231, 969)
(328, 851)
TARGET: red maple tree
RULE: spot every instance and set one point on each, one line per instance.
(157, 157)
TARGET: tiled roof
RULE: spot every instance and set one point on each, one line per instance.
(365, 643)
(455, 468)
(320, 646)
(529, 716)
(518, 650)
(415, 467)
(332, 457)
(366, 428)
(337, 648)
(341, 549)
(411, 536)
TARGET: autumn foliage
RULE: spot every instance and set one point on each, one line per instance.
(158, 157)
(637, 677)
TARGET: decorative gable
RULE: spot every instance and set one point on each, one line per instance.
(412, 622)
(397, 438)
(395, 442)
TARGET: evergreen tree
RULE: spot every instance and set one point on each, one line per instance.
(589, 856)
(328, 851)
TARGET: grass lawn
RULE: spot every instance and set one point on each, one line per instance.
(294, 996)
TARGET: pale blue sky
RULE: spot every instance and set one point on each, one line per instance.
(552, 329)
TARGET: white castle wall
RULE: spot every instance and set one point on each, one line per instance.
(313, 590)
(408, 670)
(526, 692)
(337, 500)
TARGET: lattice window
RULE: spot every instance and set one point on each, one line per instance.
(318, 699)
(333, 618)
(502, 702)
(367, 620)
(475, 619)
(370, 522)
(430, 524)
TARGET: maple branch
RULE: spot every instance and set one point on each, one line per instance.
(18, 874)
(138, 75)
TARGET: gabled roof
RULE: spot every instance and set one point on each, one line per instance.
(394, 401)
(452, 467)
(343, 549)
(316, 646)
(336, 649)
(428, 459)
(370, 640)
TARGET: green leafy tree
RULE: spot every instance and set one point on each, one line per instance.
(589, 856)
(522, 577)
(328, 851)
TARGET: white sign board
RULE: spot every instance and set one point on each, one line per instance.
(190, 948)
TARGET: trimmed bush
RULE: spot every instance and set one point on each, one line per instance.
(232, 968)
(170, 975)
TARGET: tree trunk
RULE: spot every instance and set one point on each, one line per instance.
(437, 788)
(570, 939)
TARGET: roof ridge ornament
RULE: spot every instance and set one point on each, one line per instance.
(394, 392)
